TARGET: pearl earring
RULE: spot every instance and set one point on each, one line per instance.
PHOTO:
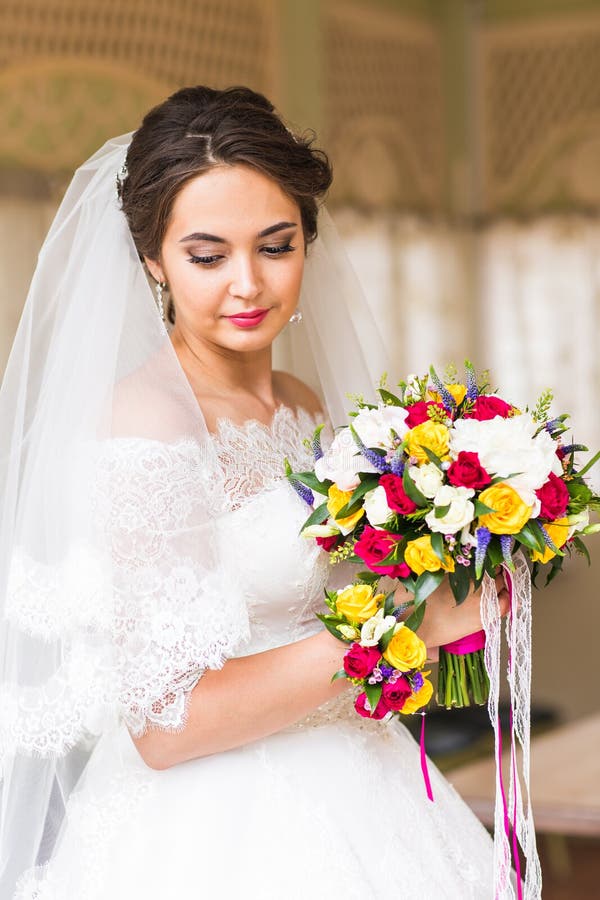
(159, 298)
(296, 317)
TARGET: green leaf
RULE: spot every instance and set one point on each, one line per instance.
(373, 692)
(426, 584)
(389, 398)
(581, 548)
(333, 630)
(589, 464)
(311, 481)
(431, 456)
(388, 606)
(341, 673)
(414, 620)
(460, 583)
(368, 577)
(441, 511)
(437, 545)
(481, 509)
(494, 552)
(539, 534)
(348, 510)
(316, 517)
(556, 567)
(410, 489)
(534, 541)
(386, 638)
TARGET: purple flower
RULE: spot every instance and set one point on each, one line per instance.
(417, 681)
(316, 444)
(472, 391)
(506, 545)
(484, 537)
(303, 491)
(376, 460)
(397, 465)
(447, 398)
(386, 670)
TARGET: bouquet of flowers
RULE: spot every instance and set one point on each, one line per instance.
(444, 479)
(386, 657)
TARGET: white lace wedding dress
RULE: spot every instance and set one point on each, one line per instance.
(332, 807)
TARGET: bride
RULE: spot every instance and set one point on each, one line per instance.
(168, 726)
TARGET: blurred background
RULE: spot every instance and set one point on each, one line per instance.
(465, 138)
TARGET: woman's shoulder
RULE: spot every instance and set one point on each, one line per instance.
(296, 394)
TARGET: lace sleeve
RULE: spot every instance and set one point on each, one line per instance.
(137, 615)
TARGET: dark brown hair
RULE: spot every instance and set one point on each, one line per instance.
(199, 127)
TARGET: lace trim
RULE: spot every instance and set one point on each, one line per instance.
(142, 620)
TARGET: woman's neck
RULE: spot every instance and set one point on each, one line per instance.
(218, 373)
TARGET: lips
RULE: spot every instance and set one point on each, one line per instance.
(248, 319)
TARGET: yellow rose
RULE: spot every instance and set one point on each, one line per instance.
(337, 500)
(406, 650)
(510, 512)
(558, 532)
(430, 434)
(419, 699)
(457, 391)
(420, 557)
(358, 603)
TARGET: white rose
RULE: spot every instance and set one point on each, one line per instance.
(461, 512)
(322, 531)
(374, 426)
(509, 447)
(342, 461)
(466, 538)
(427, 478)
(376, 507)
(374, 628)
(578, 522)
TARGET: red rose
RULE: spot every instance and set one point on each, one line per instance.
(417, 413)
(468, 472)
(361, 708)
(360, 661)
(396, 497)
(488, 407)
(554, 498)
(395, 695)
(328, 543)
(374, 545)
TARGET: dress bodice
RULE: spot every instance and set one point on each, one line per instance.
(281, 574)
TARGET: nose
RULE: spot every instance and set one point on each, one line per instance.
(245, 281)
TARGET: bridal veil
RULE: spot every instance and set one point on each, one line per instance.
(112, 597)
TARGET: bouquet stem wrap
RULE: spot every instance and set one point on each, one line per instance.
(513, 816)
(462, 674)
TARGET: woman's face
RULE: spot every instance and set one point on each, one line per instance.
(233, 257)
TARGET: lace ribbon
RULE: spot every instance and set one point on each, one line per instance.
(513, 816)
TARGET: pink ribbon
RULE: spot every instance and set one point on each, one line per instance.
(469, 644)
(508, 825)
(424, 768)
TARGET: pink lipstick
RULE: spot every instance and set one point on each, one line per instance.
(248, 319)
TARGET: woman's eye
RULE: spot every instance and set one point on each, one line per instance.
(277, 251)
(207, 261)
(204, 260)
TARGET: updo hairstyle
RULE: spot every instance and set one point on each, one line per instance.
(198, 128)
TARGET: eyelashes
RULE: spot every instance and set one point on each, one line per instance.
(208, 261)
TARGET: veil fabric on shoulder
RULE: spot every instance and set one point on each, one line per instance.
(113, 599)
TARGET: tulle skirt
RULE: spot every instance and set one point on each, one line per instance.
(335, 811)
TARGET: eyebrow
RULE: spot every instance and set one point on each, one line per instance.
(215, 239)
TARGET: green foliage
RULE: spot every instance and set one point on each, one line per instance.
(317, 516)
(541, 410)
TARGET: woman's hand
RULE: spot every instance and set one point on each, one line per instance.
(444, 621)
